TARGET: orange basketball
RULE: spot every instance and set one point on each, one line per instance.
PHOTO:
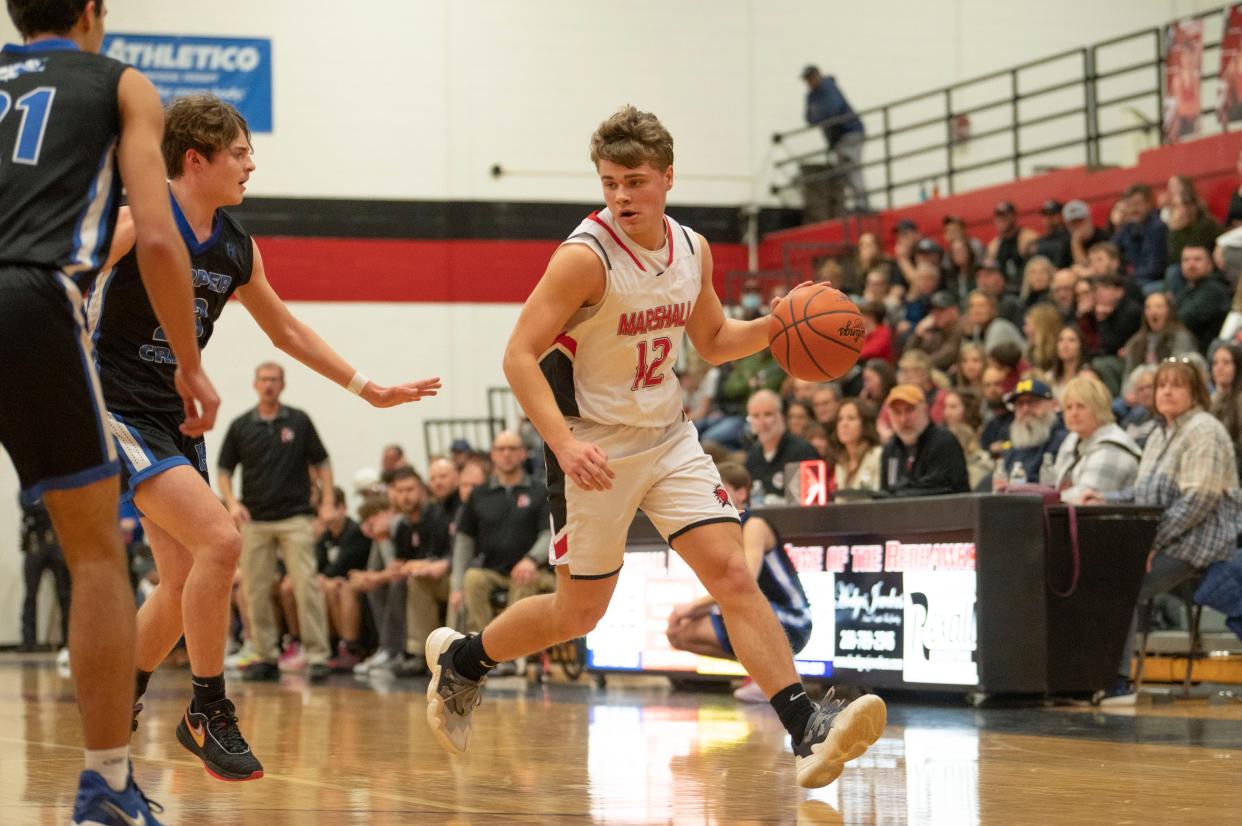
(816, 333)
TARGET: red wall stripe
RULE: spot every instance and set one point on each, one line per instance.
(466, 271)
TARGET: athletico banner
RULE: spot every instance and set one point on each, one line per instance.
(236, 70)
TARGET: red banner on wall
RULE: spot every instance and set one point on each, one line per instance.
(1229, 90)
(1183, 59)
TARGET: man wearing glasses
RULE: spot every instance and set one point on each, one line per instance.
(504, 528)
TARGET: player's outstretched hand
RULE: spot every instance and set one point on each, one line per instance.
(586, 465)
(379, 396)
(199, 399)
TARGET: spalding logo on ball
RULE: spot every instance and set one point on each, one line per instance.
(816, 333)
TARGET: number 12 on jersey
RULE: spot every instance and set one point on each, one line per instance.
(648, 373)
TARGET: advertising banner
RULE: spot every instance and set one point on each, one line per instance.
(1229, 90)
(236, 70)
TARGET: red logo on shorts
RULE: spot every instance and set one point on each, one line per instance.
(722, 496)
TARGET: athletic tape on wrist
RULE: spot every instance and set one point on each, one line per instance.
(356, 384)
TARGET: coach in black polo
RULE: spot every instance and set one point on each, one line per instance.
(280, 454)
(504, 523)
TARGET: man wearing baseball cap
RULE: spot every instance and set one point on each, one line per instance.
(1006, 248)
(921, 459)
(1054, 244)
(827, 108)
(939, 334)
(1083, 233)
(1036, 429)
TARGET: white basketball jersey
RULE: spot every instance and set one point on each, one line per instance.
(613, 364)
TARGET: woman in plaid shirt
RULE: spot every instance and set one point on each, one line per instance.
(1188, 469)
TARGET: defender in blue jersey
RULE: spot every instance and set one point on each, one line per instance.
(74, 126)
(699, 627)
(194, 539)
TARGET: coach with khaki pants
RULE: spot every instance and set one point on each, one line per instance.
(280, 455)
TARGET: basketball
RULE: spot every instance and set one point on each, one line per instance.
(815, 333)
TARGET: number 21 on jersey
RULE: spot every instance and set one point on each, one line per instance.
(650, 361)
(35, 107)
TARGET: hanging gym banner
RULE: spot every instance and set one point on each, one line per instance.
(1229, 90)
(1183, 58)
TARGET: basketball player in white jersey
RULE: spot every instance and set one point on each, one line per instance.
(591, 362)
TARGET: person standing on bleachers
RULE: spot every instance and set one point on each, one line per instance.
(1143, 240)
(845, 134)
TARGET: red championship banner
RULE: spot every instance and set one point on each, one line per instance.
(1183, 57)
(1229, 90)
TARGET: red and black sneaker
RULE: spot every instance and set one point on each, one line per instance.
(213, 737)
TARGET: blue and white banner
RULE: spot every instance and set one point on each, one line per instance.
(236, 70)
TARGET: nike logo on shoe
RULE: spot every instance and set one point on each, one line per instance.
(197, 732)
(140, 820)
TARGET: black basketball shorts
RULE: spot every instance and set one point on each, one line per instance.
(150, 443)
(51, 404)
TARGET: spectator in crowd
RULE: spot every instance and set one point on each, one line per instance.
(1097, 455)
(854, 447)
(1117, 315)
(915, 367)
(920, 459)
(829, 271)
(877, 340)
(1036, 430)
(798, 417)
(940, 333)
(699, 627)
(341, 548)
(459, 452)
(878, 377)
(1187, 469)
(968, 373)
(1138, 398)
(1203, 305)
(391, 458)
(1227, 393)
(742, 378)
(827, 108)
(962, 407)
(1103, 259)
(878, 287)
(1189, 221)
(979, 463)
(1162, 334)
(962, 262)
(1061, 294)
(1054, 244)
(869, 256)
(1009, 357)
(1083, 233)
(1143, 240)
(824, 402)
(442, 476)
(42, 553)
(918, 299)
(1084, 300)
(990, 280)
(995, 433)
(281, 456)
(817, 437)
(423, 554)
(985, 327)
(1070, 359)
(953, 228)
(376, 517)
(1036, 281)
(502, 539)
(1041, 328)
(800, 390)
(473, 474)
(1233, 216)
(1006, 248)
(773, 448)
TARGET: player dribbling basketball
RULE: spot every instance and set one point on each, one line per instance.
(590, 360)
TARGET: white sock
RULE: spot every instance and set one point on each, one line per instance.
(112, 765)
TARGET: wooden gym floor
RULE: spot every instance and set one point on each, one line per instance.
(349, 752)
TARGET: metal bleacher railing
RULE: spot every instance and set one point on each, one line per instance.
(1067, 108)
(503, 413)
